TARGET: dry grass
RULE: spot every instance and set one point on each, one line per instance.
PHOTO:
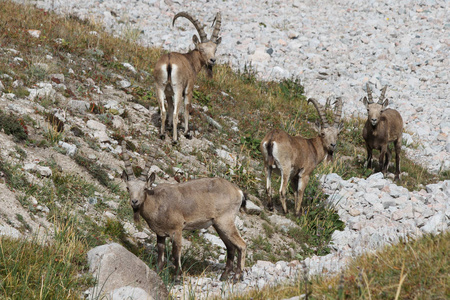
(416, 269)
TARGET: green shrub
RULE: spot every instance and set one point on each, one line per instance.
(13, 125)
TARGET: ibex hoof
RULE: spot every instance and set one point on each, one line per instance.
(224, 277)
(175, 142)
(188, 135)
(162, 136)
(177, 279)
(270, 207)
(237, 278)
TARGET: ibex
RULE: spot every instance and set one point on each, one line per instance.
(295, 157)
(382, 127)
(170, 208)
(175, 74)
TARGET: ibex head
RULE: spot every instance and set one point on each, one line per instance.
(136, 187)
(329, 134)
(374, 110)
(207, 48)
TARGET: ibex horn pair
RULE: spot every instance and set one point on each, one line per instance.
(369, 94)
(199, 27)
(321, 111)
(129, 168)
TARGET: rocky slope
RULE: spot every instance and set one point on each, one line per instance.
(335, 48)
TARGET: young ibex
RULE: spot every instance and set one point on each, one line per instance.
(295, 157)
(175, 74)
(170, 208)
(382, 127)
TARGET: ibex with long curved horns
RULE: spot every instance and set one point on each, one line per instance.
(382, 127)
(175, 74)
(169, 209)
(295, 157)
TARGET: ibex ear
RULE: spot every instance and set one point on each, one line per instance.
(148, 185)
(318, 127)
(195, 40)
(365, 102)
(218, 41)
(340, 126)
(150, 179)
(385, 103)
(124, 176)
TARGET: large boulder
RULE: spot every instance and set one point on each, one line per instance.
(115, 267)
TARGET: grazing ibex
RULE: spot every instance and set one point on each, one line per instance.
(170, 208)
(382, 127)
(295, 157)
(175, 74)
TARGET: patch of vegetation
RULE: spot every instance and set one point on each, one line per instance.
(53, 134)
(144, 97)
(14, 126)
(22, 153)
(21, 92)
(94, 169)
(262, 249)
(415, 269)
(13, 177)
(268, 229)
(195, 261)
(31, 269)
(96, 108)
(25, 225)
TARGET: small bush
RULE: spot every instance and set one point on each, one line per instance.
(12, 125)
(94, 169)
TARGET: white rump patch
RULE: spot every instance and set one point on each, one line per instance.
(265, 149)
(275, 153)
(174, 75)
(164, 73)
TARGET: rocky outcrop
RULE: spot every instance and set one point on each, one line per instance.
(120, 272)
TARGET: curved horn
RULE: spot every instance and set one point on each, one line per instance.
(319, 109)
(369, 93)
(338, 111)
(195, 22)
(215, 33)
(383, 93)
(144, 173)
(126, 160)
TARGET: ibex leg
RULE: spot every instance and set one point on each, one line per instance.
(398, 147)
(383, 152)
(283, 187)
(176, 252)
(178, 97)
(369, 157)
(169, 99)
(161, 246)
(230, 235)
(268, 170)
(302, 183)
(187, 106)
(162, 108)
